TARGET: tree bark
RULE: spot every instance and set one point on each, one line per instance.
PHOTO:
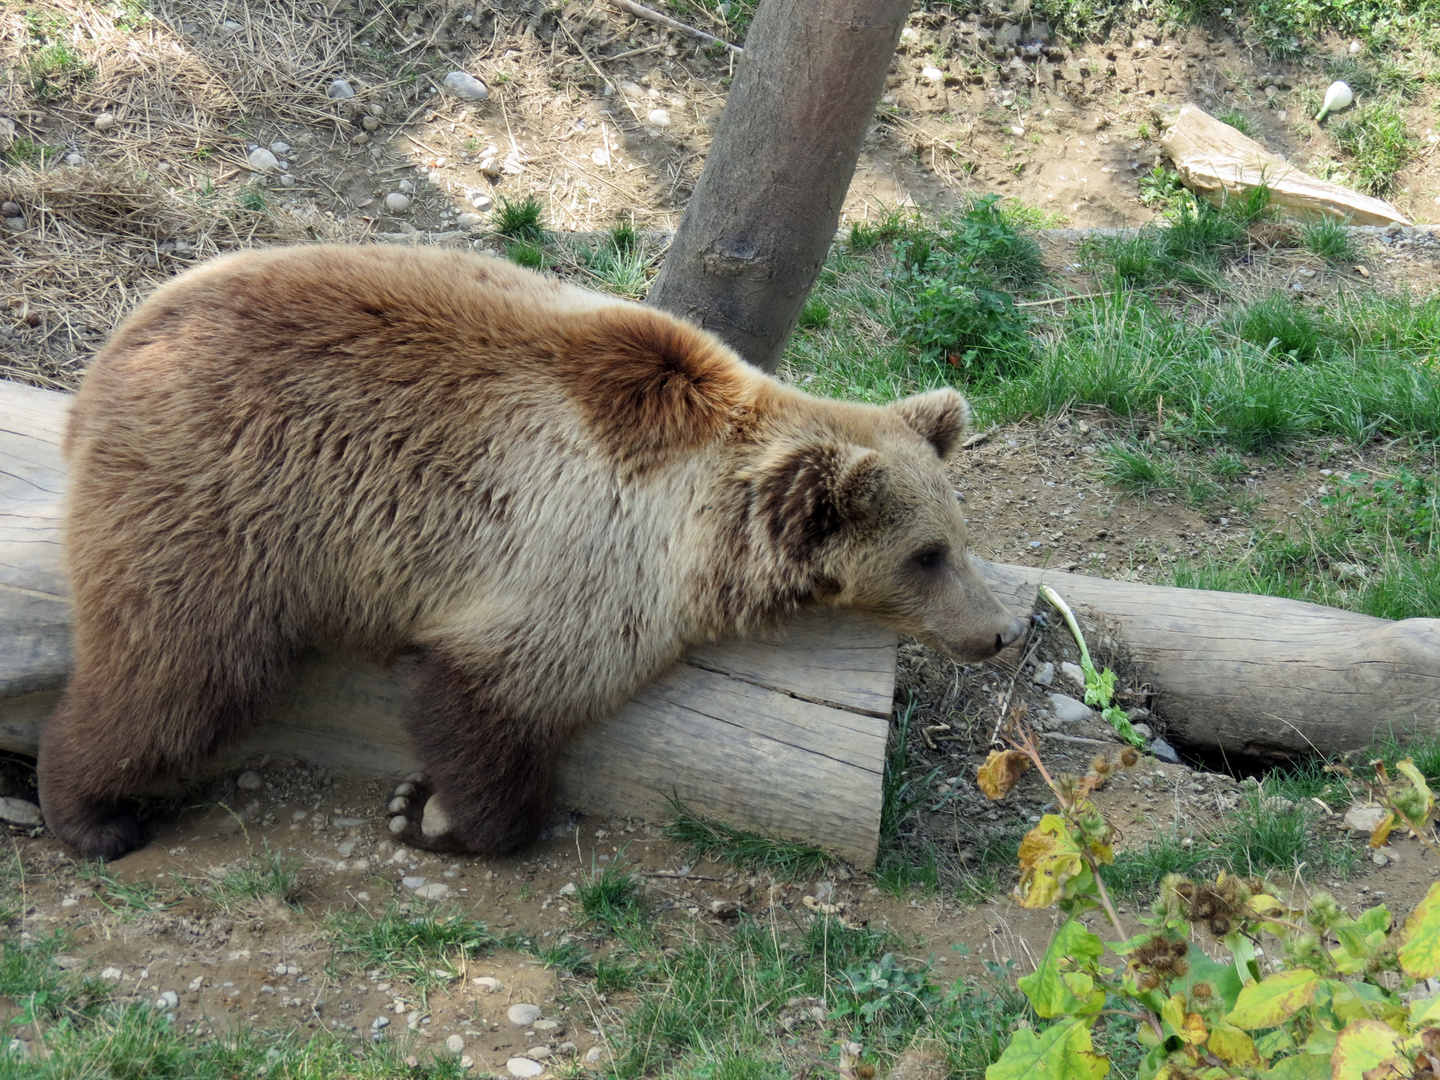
(756, 231)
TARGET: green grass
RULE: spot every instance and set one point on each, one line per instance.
(520, 219)
(129, 899)
(1379, 143)
(1281, 327)
(273, 875)
(527, 254)
(1136, 874)
(1138, 470)
(1375, 76)
(611, 898)
(1330, 240)
(618, 267)
(1270, 834)
(420, 946)
(1238, 120)
(1372, 548)
(706, 838)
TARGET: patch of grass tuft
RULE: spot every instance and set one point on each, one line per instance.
(1378, 141)
(612, 898)
(409, 945)
(274, 876)
(706, 838)
(1277, 324)
(1269, 833)
(1331, 240)
(524, 253)
(520, 219)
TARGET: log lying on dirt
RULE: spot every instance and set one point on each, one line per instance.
(1256, 675)
(1212, 157)
(788, 734)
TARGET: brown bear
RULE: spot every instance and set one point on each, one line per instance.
(542, 493)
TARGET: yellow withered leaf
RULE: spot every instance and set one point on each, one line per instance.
(1001, 772)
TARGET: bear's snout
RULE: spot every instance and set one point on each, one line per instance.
(1012, 633)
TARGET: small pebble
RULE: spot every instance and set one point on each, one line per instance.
(549, 1028)
(287, 181)
(168, 1000)
(539, 1053)
(659, 117)
(466, 86)
(196, 983)
(1044, 674)
(522, 1014)
(470, 221)
(339, 89)
(455, 1044)
(9, 209)
(1163, 751)
(481, 202)
(412, 882)
(380, 1022)
(523, 1067)
(105, 121)
(111, 974)
(369, 123)
(932, 74)
(72, 159)
(1068, 710)
(436, 890)
(488, 984)
(1075, 673)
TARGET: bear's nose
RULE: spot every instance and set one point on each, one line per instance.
(1012, 633)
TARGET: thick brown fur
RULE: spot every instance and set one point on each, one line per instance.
(547, 492)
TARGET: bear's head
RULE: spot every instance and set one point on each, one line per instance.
(866, 508)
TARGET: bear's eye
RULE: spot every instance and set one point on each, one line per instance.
(929, 558)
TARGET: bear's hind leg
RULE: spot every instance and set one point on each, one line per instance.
(489, 772)
(121, 727)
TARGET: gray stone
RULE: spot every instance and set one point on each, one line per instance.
(523, 1067)
(1143, 730)
(10, 209)
(1044, 674)
(19, 812)
(659, 117)
(522, 1014)
(1163, 751)
(1075, 673)
(466, 86)
(398, 204)
(412, 882)
(488, 984)
(262, 160)
(1068, 710)
(380, 1022)
(105, 121)
(339, 90)
(436, 890)
(167, 1000)
(1363, 817)
(549, 1028)
(455, 1044)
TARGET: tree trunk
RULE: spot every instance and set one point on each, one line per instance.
(757, 228)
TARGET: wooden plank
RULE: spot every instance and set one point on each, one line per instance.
(1258, 675)
(1212, 157)
(786, 733)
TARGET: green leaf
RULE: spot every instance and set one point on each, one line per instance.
(1361, 1046)
(1425, 1011)
(1243, 950)
(1274, 999)
(1420, 954)
(1373, 919)
(1272, 1042)
(1224, 980)
(1072, 950)
(1299, 1067)
(1233, 1046)
(1062, 1051)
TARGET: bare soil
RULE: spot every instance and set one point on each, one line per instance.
(603, 116)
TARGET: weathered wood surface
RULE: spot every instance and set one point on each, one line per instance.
(1212, 157)
(1259, 675)
(788, 734)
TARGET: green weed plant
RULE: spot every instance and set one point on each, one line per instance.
(1307, 993)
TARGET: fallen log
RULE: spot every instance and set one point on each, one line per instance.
(787, 734)
(1214, 159)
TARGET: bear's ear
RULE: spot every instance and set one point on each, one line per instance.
(807, 494)
(940, 417)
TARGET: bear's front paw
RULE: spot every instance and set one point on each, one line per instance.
(417, 818)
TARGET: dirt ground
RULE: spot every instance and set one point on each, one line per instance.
(603, 116)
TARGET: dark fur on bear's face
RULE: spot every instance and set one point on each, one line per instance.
(547, 493)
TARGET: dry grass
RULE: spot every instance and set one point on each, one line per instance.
(97, 239)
